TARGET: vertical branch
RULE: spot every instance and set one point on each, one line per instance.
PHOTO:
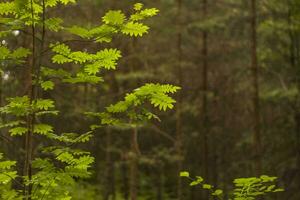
(134, 165)
(109, 179)
(294, 60)
(204, 95)
(30, 117)
(159, 181)
(40, 62)
(110, 169)
(124, 174)
(179, 133)
(256, 104)
(34, 73)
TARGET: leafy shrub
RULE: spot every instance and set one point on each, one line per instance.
(244, 188)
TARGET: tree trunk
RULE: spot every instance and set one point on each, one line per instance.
(256, 104)
(134, 153)
(294, 60)
(125, 180)
(109, 179)
(30, 118)
(159, 181)
(204, 119)
(179, 133)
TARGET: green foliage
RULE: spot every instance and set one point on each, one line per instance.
(134, 29)
(47, 85)
(58, 167)
(16, 55)
(7, 176)
(7, 8)
(245, 188)
(199, 181)
(115, 21)
(93, 63)
(250, 188)
(132, 109)
(18, 106)
(114, 17)
(156, 94)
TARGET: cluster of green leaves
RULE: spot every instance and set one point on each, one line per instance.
(245, 188)
(250, 188)
(25, 12)
(60, 165)
(16, 56)
(7, 175)
(198, 180)
(113, 22)
(132, 109)
(52, 181)
(93, 63)
(18, 108)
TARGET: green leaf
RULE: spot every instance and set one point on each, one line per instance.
(11, 124)
(47, 85)
(18, 106)
(217, 192)
(60, 59)
(194, 183)
(20, 53)
(138, 6)
(60, 49)
(44, 104)
(207, 186)
(54, 24)
(150, 12)
(114, 17)
(8, 8)
(18, 131)
(43, 129)
(65, 2)
(80, 31)
(4, 52)
(278, 190)
(134, 29)
(184, 174)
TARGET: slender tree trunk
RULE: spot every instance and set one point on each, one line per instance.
(159, 182)
(256, 104)
(297, 121)
(179, 134)
(33, 92)
(30, 117)
(125, 180)
(134, 165)
(298, 117)
(205, 150)
(294, 60)
(109, 179)
(110, 164)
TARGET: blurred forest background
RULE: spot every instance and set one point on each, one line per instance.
(237, 114)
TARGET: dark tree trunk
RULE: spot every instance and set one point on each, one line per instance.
(134, 153)
(125, 179)
(204, 113)
(30, 118)
(109, 192)
(257, 146)
(159, 182)
(179, 134)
